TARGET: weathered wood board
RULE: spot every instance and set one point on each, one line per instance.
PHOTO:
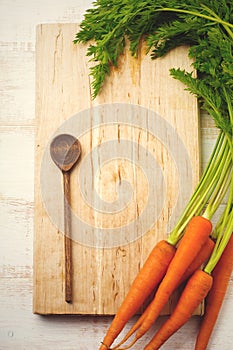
(140, 161)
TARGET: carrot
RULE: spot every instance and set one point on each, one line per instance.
(202, 256)
(221, 275)
(198, 230)
(133, 328)
(200, 259)
(148, 278)
(194, 293)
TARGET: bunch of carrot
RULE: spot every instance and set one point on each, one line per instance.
(194, 253)
(197, 288)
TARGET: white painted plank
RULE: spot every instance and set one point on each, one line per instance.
(18, 18)
(17, 162)
(17, 93)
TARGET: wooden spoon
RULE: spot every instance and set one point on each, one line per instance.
(65, 151)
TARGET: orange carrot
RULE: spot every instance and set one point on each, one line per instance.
(200, 259)
(192, 242)
(133, 329)
(148, 278)
(194, 293)
(221, 276)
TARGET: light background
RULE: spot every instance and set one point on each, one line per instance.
(19, 328)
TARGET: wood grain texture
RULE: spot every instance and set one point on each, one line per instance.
(102, 273)
(19, 328)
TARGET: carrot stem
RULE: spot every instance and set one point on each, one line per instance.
(212, 177)
(221, 243)
(198, 14)
(223, 231)
(221, 186)
(230, 109)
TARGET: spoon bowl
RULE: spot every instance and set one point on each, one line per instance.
(65, 151)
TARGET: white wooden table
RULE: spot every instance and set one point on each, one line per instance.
(19, 328)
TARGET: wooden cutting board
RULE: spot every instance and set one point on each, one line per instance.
(140, 162)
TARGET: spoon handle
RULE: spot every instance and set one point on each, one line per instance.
(67, 238)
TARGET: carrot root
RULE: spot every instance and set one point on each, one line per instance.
(132, 330)
(197, 263)
(153, 272)
(193, 240)
(194, 293)
(200, 259)
(171, 272)
(221, 276)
